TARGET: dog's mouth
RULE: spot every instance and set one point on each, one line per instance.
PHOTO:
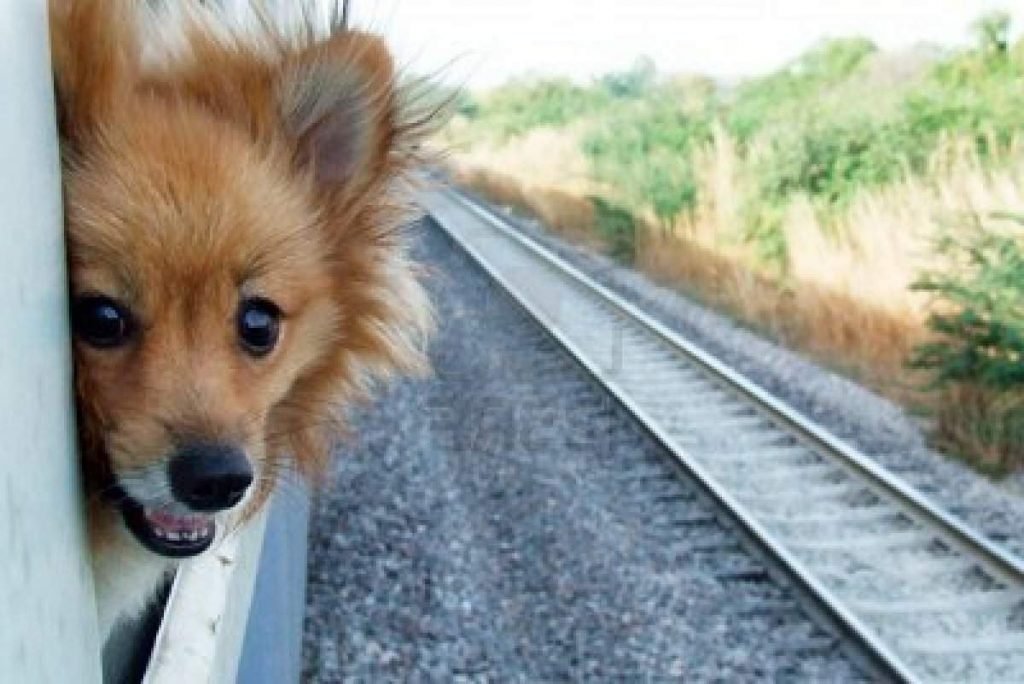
(168, 534)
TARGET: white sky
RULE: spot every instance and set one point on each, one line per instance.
(493, 40)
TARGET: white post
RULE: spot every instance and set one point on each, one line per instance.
(47, 610)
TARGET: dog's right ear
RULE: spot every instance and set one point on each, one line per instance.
(333, 98)
(337, 100)
(94, 50)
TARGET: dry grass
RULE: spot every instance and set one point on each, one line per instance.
(850, 334)
(543, 158)
(568, 213)
(988, 427)
(845, 297)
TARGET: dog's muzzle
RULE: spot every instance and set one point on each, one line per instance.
(204, 478)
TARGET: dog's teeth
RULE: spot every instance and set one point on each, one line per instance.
(193, 535)
(173, 536)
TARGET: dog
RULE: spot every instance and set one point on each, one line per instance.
(234, 199)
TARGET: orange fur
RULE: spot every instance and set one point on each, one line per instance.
(268, 163)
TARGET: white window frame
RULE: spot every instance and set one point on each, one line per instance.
(48, 629)
(48, 625)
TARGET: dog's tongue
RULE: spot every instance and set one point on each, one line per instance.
(176, 523)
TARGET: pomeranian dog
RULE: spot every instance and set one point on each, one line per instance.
(234, 201)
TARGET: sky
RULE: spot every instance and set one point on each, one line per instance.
(483, 43)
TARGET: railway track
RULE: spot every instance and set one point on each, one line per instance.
(922, 595)
(549, 538)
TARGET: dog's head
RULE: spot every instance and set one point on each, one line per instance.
(236, 270)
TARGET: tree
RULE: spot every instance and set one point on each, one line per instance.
(633, 82)
(993, 31)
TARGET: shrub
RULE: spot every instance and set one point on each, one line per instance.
(645, 153)
(763, 229)
(979, 325)
(617, 229)
(634, 82)
(523, 105)
(789, 96)
(465, 104)
(993, 31)
(831, 162)
(842, 140)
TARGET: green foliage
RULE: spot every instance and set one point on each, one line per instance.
(837, 120)
(762, 228)
(831, 150)
(993, 30)
(970, 94)
(523, 105)
(617, 229)
(832, 60)
(830, 161)
(645, 154)
(465, 104)
(634, 82)
(840, 119)
(788, 96)
(981, 321)
(978, 357)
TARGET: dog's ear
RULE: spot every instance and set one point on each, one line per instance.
(95, 55)
(337, 104)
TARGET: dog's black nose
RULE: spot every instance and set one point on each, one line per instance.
(209, 476)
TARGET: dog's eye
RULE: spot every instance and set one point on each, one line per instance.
(258, 325)
(100, 321)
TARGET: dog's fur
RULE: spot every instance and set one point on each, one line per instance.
(202, 165)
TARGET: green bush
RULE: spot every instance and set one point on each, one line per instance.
(466, 105)
(636, 81)
(789, 96)
(981, 298)
(838, 120)
(763, 229)
(816, 118)
(617, 229)
(979, 350)
(831, 162)
(993, 31)
(523, 105)
(645, 153)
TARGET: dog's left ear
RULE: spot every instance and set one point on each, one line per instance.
(337, 103)
(95, 58)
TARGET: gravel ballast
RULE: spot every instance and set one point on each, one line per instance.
(876, 426)
(505, 520)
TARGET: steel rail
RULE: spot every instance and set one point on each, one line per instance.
(994, 559)
(998, 560)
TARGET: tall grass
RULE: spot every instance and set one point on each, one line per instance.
(977, 360)
(845, 296)
(807, 203)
